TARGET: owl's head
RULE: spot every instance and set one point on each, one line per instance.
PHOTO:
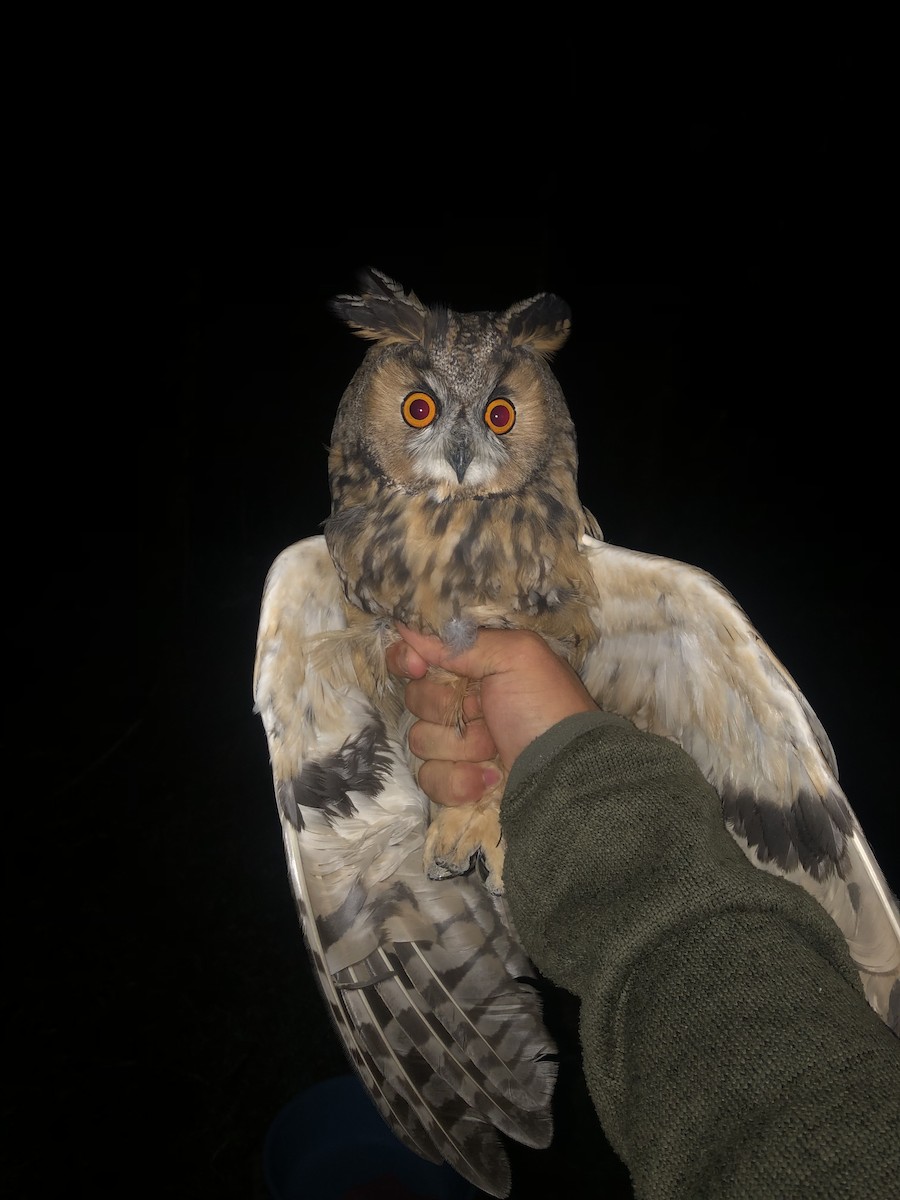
(452, 403)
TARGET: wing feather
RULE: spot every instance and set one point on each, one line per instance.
(677, 655)
(424, 980)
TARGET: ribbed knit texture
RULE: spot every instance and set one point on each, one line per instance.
(727, 1045)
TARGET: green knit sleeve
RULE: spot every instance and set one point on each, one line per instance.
(727, 1045)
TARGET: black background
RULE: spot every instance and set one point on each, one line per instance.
(724, 265)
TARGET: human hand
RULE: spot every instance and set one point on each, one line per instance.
(525, 689)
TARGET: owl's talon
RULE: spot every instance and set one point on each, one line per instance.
(457, 835)
(492, 879)
(439, 868)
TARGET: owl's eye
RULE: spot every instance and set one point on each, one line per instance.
(500, 416)
(419, 410)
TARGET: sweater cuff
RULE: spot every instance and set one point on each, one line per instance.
(543, 749)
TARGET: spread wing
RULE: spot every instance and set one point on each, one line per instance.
(677, 656)
(425, 981)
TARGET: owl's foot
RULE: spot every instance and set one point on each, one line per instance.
(456, 835)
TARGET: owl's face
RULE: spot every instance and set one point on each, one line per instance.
(453, 404)
(457, 421)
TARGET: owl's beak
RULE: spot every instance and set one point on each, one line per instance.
(459, 452)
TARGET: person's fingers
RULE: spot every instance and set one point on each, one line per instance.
(428, 739)
(494, 651)
(525, 687)
(455, 783)
(435, 699)
(404, 662)
(431, 700)
(429, 648)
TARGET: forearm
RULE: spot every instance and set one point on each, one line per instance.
(726, 1044)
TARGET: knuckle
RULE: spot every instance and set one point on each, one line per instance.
(464, 785)
(418, 741)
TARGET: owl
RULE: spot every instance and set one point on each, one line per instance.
(454, 505)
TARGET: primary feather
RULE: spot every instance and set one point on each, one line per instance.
(677, 656)
(454, 505)
(425, 981)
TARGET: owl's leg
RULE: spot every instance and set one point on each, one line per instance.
(460, 834)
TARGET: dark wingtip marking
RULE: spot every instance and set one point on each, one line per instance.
(811, 832)
(360, 765)
(333, 926)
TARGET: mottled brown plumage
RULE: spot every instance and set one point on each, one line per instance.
(454, 505)
(415, 539)
(450, 526)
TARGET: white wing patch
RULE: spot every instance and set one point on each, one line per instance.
(677, 656)
(424, 980)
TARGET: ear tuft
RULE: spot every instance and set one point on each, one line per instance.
(384, 311)
(542, 323)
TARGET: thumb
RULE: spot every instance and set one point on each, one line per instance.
(473, 663)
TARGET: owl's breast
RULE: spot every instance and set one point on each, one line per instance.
(497, 560)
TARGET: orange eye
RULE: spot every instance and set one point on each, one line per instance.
(500, 416)
(419, 410)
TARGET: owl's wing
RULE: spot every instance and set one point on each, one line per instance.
(425, 981)
(677, 656)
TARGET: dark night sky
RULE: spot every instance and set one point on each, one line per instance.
(722, 374)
